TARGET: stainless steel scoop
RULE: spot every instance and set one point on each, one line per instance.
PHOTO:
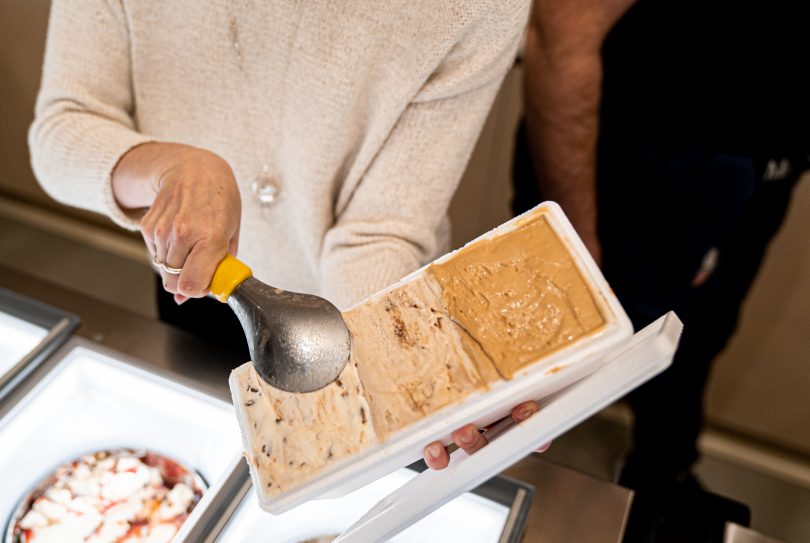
(298, 342)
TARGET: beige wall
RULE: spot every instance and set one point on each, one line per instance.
(761, 384)
(23, 24)
(482, 201)
(22, 41)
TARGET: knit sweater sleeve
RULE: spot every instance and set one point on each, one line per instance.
(84, 113)
(389, 226)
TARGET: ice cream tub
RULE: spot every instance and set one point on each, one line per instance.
(516, 314)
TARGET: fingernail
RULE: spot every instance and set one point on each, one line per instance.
(467, 437)
(525, 413)
(434, 451)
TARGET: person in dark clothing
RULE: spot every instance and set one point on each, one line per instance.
(672, 133)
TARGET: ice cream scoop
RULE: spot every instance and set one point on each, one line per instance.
(298, 342)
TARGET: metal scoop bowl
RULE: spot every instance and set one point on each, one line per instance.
(298, 342)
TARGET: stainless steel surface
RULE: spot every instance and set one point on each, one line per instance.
(567, 506)
(230, 495)
(737, 534)
(511, 532)
(298, 342)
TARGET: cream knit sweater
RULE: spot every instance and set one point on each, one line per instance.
(363, 113)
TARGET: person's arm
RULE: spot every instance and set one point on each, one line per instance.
(86, 150)
(562, 90)
(388, 226)
(193, 208)
(83, 121)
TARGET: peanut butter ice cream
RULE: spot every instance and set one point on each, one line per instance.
(520, 296)
(482, 315)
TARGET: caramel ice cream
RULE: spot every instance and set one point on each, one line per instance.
(487, 312)
(519, 296)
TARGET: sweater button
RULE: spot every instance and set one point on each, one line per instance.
(265, 188)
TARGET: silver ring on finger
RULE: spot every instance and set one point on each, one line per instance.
(168, 269)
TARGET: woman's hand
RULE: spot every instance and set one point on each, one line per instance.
(470, 439)
(194, 210)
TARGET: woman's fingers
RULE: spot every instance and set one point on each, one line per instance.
(199, 268)
(524, 410)
(436, 456)
(156, 229)
(469, 438)
(171, 250)
(193, 219)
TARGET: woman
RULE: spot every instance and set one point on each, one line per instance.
(323, 139)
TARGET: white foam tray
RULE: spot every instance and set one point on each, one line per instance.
(469, 518)
(91, 401)
(536, 381)
(17, 339)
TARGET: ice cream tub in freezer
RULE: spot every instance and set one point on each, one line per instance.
(517, 314)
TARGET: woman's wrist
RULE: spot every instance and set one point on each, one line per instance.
(136, 178)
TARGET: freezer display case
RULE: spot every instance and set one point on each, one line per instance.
(493, 512)
(29, 332)
(93, 400)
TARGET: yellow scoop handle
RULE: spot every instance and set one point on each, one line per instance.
(230, 273)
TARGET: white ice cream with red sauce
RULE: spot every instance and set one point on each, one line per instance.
(116, 497)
